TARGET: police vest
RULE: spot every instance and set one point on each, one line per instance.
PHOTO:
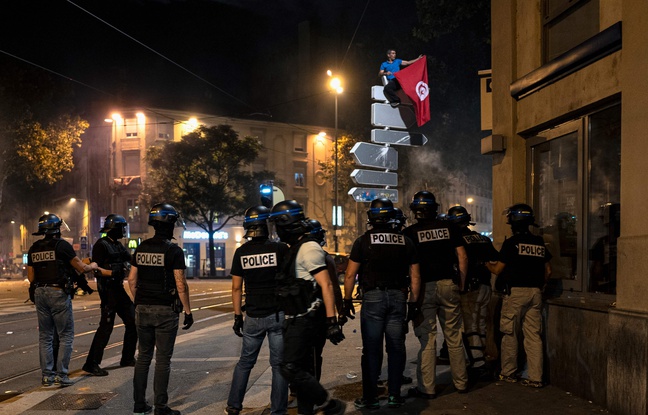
(155, 283)
(479, 249)
(385, 260)
(259, 261)
(436, 243)
(524, 255)
(117, 255)
(47, 268)
(294, 295)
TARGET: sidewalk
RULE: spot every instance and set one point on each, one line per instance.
(203, 363)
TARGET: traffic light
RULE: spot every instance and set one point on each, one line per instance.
(266, 195)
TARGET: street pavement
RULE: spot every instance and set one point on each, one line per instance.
(202, 367)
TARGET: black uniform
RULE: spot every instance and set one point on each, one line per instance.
(435, 241)
(112, 255)
(155, 315)
(257, 262)
(385, 257)
(524, 256)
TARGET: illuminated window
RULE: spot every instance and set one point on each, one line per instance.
(133, 209)
(131, 128)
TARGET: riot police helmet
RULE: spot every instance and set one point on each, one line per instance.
(424, 205)
(113, 221)
(459, 215)
(255, 222)
(520, 214)
(49, 224)
(381, 211)
(399, 218)
(288, 217)
(164, 213)
(316, 231)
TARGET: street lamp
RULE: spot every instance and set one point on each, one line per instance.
(336, 86)
(80, 230)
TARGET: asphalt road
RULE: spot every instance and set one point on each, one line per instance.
(19, 361)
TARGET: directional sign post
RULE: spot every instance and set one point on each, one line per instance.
(367, 194)
(373, 155)
(374, 178)
(383, 115)
(401, 138)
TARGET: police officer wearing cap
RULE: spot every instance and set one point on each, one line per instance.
(443, 256)
(382, 258)
(305, 271)
(114, 262)
(256, 263)
(477, 296)
(158, 284)
(50, 262)
(524, 266)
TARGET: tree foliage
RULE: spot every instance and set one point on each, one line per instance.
(204, 175)
(38, 130)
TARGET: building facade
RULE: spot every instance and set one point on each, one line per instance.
(569, 96)
(291, 151)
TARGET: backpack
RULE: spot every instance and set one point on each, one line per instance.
(294, 295)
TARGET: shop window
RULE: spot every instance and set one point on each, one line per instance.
(575, 186)
(568, 23)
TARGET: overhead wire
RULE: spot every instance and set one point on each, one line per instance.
(354, 33)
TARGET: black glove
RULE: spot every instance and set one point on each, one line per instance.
(334, 330)
(32, 292)
(347, 309)
(238, 324)
(412, 311)
(188, 321)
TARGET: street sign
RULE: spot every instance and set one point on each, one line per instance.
(372, 155)
(383, 115)
(401, 138)
(377, 93)
(374, 178)
(83, 242)
(367, 194)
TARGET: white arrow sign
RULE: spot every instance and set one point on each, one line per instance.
(383, 115)
(367, 194)
(372, 155)
(401, 138)
(374, 178)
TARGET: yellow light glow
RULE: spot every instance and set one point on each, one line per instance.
(329, 73)
(470, 200)
(320, 138)
(110, 120)
(116, 117)
(73, 199)
(191, 124)
(335, 83)
(140, 118)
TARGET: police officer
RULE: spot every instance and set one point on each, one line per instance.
(305, 271)
(441, 252)
(114, 262)
(50, 262)
(256, 263)
(524, 266)
(158, 284)
(318, 233)
(383, 259)
(475, 301)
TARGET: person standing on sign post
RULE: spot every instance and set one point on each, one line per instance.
(387, 69)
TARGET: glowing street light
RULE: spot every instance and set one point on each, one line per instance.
(336, 86)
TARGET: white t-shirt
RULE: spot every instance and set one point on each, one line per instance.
(310, 257)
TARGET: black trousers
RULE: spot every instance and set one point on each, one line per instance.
(297, 367)
(114, 301)
(390, 91)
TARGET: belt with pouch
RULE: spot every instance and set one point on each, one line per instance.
(55, 286)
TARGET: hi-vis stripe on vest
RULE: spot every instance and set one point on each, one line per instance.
(387, 239)
(531, 250)
(43, 256)
(430, 235)
(150, 259)
(259, 261)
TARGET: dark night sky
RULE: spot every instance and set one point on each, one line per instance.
(248, 53)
